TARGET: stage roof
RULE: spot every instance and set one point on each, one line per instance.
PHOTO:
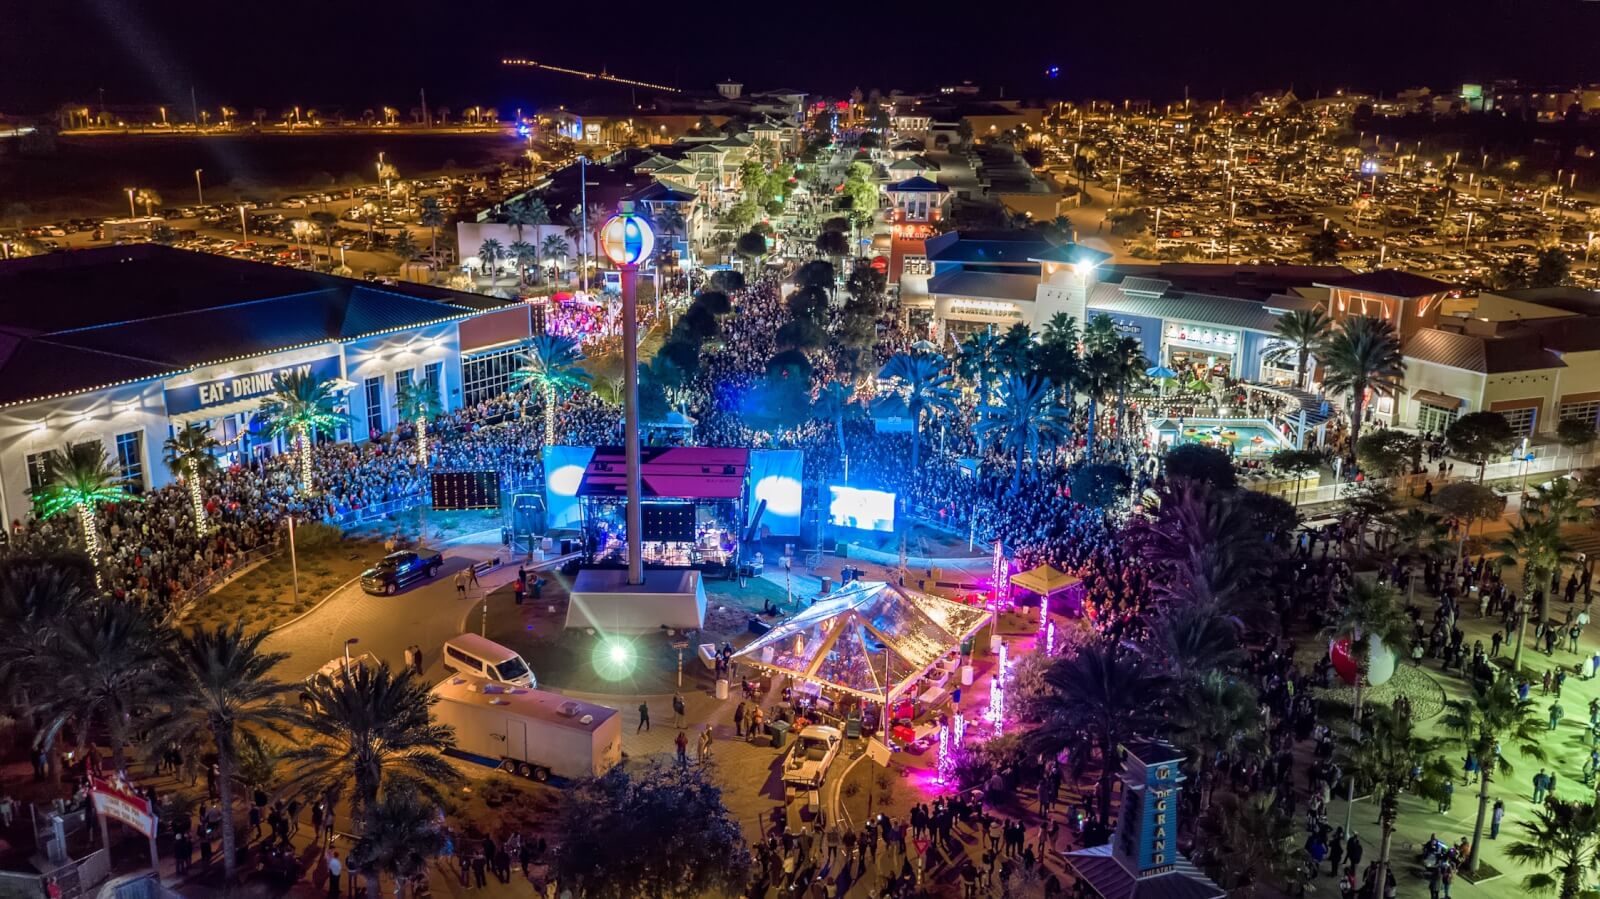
(669, 472)
(1044, 580)
(841, 642)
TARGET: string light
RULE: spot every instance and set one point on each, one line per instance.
(997, 690)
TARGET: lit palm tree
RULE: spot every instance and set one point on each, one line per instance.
(1249, 841)
(1564, 836)
(80, 479)
(370, 729)
(1128, 366)
(1537, 544)
(1488, 723)
(527, 212)
(1384, 757)
(418, 402)
(303, 407)
(836, 402)
(400, 834)
(190, 456)
(554, 366)
(1026, 416)
(924, 387)
(1098, 698)
(1371, 610)
(109, 655)
(1301, 331)
(432, 217)
(219, 686)
(1361, 353)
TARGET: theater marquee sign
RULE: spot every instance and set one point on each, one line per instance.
(254, 385)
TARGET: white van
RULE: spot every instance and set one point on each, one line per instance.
(477, 656)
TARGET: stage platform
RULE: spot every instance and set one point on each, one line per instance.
(603, 599)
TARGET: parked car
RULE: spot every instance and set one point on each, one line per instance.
(399, 569)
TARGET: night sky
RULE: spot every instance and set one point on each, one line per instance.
(274, 53)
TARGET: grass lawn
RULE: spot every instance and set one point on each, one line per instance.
(264, 596)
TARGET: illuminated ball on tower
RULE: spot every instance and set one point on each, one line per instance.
(627, 239)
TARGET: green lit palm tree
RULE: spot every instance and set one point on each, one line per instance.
(1299, 331)
(301, 408)
(370, 729)
(400, 834)
(554, 366)
(431, 217)
(109, 657)
(836, 402)
(1026, 416)
(1361, 353)
(418, 402)
(1536, 544)
(219, 687)
(1098, 698)
(1565, 837)
(79, 479)
(924, 387)
(1489, 723)
(1383, 757)
(190, 456)
(1248, 842)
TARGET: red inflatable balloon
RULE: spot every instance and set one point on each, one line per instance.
(1380, 661)
(1344, 664)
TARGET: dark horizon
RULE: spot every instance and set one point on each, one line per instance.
(337, 55)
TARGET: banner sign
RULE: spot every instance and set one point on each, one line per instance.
(122, 805)
(194, 397)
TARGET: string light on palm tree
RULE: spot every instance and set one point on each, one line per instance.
(190, 456)
(79, 479)
(301, 408)
(552, 365)
(417, 402)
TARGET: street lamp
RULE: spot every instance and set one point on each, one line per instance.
(199, 190)
(349, 642)
(131, 212)
(627, 240)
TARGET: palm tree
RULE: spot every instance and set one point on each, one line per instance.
(418, 402)
(489, 253)
(403, 244)
(1027, 415)
(1205, 550)
(39, 596)
(1057, 352)
(1384, 756)
(219, 685)
(1370, 610)
(1538, 545)
(835, 402)
(525, 212)
(925, 387)
(1212, 714)
(523, 254)
(1189, 640)
(554, 366)
(1566, 836)
(1098, 697)
(189, 455)
(1420, 535)
(79, 478)
(400, 834)
(1361, 353)
(109, 657)
(328, 224)
(148, 198)
(975, 361)
(1488, 723)
(1249, 841)
(1300, 331)
(554, 248)
(370, 728)
(669, 221)
(431, 216)
(302, 407)
(1128, 366)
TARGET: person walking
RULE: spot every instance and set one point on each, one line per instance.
(644, 717)
(461, 584)
(472, 577)
(682, 743)
(1541, 783)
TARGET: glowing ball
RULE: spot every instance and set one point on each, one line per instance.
(627, 239)
(1380, 661)
(613, 658)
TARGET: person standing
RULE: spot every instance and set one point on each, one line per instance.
(738, 720)
(679, 708)
(644, 717)
(461, 584)
(335, 871)
(1352, 852)
(683, 749)
(1541, 783)
(1496, 817)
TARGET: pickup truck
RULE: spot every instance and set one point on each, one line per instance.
(399, 569)
(813, 751)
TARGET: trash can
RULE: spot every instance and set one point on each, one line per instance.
(827, 584)
(966, 675)
(722, 688)
(780, 733)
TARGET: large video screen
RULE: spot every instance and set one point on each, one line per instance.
(775, 476)
(867, 510)
(563, 472)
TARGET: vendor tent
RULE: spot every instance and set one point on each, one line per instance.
(1045, 580)
(865, 636)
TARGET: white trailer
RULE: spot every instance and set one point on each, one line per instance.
(531, 733)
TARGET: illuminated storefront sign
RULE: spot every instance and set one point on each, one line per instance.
(205, 394)
(1201, 336)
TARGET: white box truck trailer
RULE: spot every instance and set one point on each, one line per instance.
(531, 733)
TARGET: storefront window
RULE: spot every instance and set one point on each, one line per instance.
(1434, 419)
(488, 375)
(1587, 411)
(130, 460)
(374, 406)
(1521, 420)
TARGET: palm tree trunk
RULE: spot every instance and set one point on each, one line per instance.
(1385, 842)
(916, 438)
(422, 441)
(549, 415)
(230, 860)
(373, 883)
(197, 497)
(303, 441)
(1483, 809)
(1300, 374)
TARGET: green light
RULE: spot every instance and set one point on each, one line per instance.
(614, 659)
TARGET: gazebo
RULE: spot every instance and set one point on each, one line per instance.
(872, 640)
(1049, 583)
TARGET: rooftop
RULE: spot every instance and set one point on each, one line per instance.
(1392, 283)
(985, 285)
(71, 322)
(1243, 282)
(1183, 306)
(987, 247)
(1485, 355)
(917, 184)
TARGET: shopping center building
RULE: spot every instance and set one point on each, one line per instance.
(126, 344)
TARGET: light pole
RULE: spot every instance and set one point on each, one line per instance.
(199, 189)
(583, 221)
(294, 565)
(131, 212)
(349, 642)
(244, 228)
(628, 240)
